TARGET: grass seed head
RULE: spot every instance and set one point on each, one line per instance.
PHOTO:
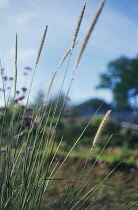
(89, 33)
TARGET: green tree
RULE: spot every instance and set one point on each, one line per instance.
(122, 79)
(90, 105)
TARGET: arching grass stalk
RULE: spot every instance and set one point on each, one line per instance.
(52, 79)
(55, 173)
(46, 146)
(10, 171)
(37, 60)
(79, 187)
(39, 148)
(131, 204)
(92, 191)
(69, 52)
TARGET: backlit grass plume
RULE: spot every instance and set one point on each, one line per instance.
(100, 129)
(78, 26)
(41, 46)
(89, 33)
(74, 42)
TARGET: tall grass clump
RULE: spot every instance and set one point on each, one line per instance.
(34, 171)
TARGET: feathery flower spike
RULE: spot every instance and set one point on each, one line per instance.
(89, 33)
(41, 46)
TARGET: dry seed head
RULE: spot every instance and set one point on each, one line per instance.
(50, 85)
(75, 36)
(15, 67)
(101, 127)
(66, 54)
(41, 45)
(89, 33)
(64, 57)
(78, 26)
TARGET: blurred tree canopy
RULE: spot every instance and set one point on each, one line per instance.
(90, 105)
(122, 79)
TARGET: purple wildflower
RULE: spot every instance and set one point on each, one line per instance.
(67, 181)
(21, 98)
(53, 127)
(24, 89)
(17, 91)
(30, 117)
(3, 162)
(2, 108)
(100, 161)
(66, 109)
(42, 95)
(83, 163)
(90, 159)
(58, 199)
(3, 150)
(71, 185)
(28, 68)
(30, 148)
(10, 78)
(36, 170)
(65, 165)
(68, 118)
(58, 163)
(57, 158)
(132, 170)
(5, 78)
(68, 98)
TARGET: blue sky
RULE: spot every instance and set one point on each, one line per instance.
(115, 34)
